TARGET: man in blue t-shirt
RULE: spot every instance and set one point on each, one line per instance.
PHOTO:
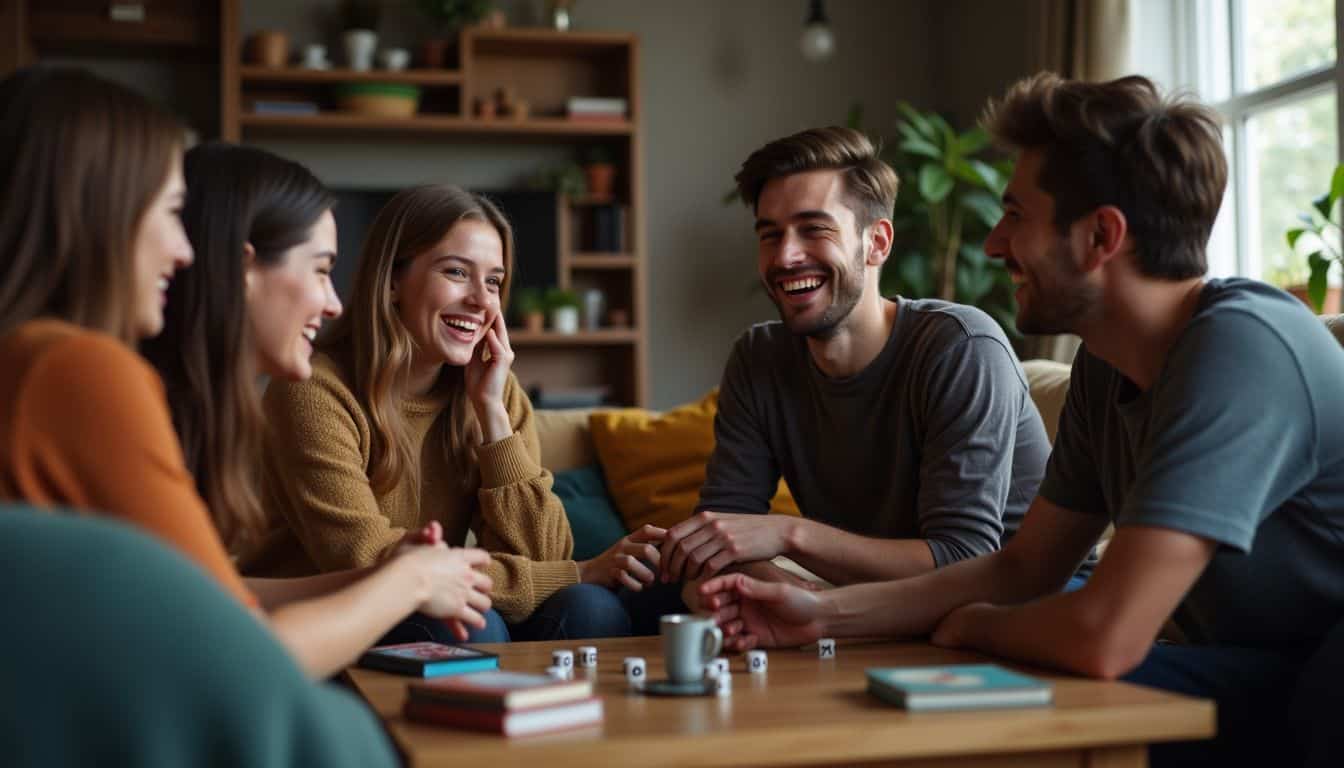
(1198, 421)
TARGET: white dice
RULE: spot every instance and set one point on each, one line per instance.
(587, 656)
(634, 671)
(756, 662)
(723, 684)
(716, 667)
(563, 659)
(826, 648)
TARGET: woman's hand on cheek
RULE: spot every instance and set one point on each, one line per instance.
(486, 375)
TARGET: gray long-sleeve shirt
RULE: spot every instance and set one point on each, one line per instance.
(936, 439)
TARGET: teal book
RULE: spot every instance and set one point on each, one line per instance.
(957, 686)
(428, 659)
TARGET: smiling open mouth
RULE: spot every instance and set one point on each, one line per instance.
(801, 286)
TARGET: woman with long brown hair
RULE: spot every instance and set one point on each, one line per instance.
(91, 189)
(413, 416)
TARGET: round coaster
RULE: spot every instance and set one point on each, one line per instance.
(672, 688)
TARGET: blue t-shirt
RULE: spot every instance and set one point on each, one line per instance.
(1237, 442)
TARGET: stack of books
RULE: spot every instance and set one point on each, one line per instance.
(510, 703)
(604, 229)
(594, 108)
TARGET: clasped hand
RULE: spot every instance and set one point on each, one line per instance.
(707, 542)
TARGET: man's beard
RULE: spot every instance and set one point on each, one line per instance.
(846, 288)
(1054, 305)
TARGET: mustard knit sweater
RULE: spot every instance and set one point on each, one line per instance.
(326, 517)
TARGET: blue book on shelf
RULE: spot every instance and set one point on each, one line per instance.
(428, 659)
(957, 686)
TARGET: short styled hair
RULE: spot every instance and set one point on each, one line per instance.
(870, 184)
(1158, 159)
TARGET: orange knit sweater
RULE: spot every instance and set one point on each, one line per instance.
(84, 424)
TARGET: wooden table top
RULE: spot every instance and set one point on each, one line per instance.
(802, 710)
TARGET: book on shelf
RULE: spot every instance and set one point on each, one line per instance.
(428, 659)
(560, 398)
(279, 107)
(516, 722)
(500, 690)
(957, 686)
(603, 230)
(590, 106)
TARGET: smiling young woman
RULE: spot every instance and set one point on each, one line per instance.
(414, 417)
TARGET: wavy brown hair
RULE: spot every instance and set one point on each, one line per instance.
(81, 159)
(1158, 159)
(374, 347)
(236, 196)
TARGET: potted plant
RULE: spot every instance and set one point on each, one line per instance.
(529, 309)
(946, 205)
(1318, 233)
(599, 172)
(564, 310)
(448, 16)
(361, 32)
(567, 180)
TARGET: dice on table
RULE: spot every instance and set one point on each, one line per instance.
(826, 648)
(587, 656)
(564, 659)
(723, 684)
(756, 662)
(635, 671)
(717, 666)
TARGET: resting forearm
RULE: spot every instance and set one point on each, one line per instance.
(274, 593)
(913, 607)
(1063, 631)
(328, 633)
(841, 557)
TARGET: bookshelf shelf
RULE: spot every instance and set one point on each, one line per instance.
(602, 261)
(345, 122)
(604, 337)
(297, 75)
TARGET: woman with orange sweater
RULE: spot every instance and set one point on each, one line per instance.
(90, 239)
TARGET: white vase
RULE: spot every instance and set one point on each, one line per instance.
(360, 45)
(565, 319)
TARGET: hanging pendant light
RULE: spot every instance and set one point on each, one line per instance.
(818, 42)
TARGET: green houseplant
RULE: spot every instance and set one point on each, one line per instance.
(448, 16)
(947, 203)
(563, 307)
(529, 308)
(1318, 233)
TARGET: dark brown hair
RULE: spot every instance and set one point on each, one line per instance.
(1159, 160)
(870, 184)
(235, 196)
(81, 159)
(370, 340)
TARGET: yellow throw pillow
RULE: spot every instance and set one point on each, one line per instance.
(655, 463)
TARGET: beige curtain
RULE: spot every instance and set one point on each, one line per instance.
(1084, 40)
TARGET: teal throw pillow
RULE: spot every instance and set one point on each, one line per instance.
(588, 506)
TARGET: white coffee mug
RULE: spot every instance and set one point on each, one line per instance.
(689, 643)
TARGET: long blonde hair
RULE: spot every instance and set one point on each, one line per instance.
(370, 341)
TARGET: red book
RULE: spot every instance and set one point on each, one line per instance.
(500, 689)
(517, 722)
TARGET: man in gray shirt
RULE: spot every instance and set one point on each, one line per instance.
(905, 429)
(1199, 420)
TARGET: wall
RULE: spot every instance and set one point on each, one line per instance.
(718, 79)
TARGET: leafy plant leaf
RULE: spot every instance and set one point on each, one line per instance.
(972, 141)
(918, 146)
(1323, 204)
(984, 205)
(935, 184)
(1316, 285)
(916, 120)
(1337, 184)
(1293, 234)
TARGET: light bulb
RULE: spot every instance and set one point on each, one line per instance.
(817, 43)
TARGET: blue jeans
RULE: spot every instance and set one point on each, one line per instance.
(1274, 708)
(578, 611)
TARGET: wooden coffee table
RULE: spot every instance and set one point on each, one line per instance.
(805, 711)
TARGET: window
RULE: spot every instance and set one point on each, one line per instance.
(1270, 68)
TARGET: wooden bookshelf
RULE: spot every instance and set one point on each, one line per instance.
(545, 68)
